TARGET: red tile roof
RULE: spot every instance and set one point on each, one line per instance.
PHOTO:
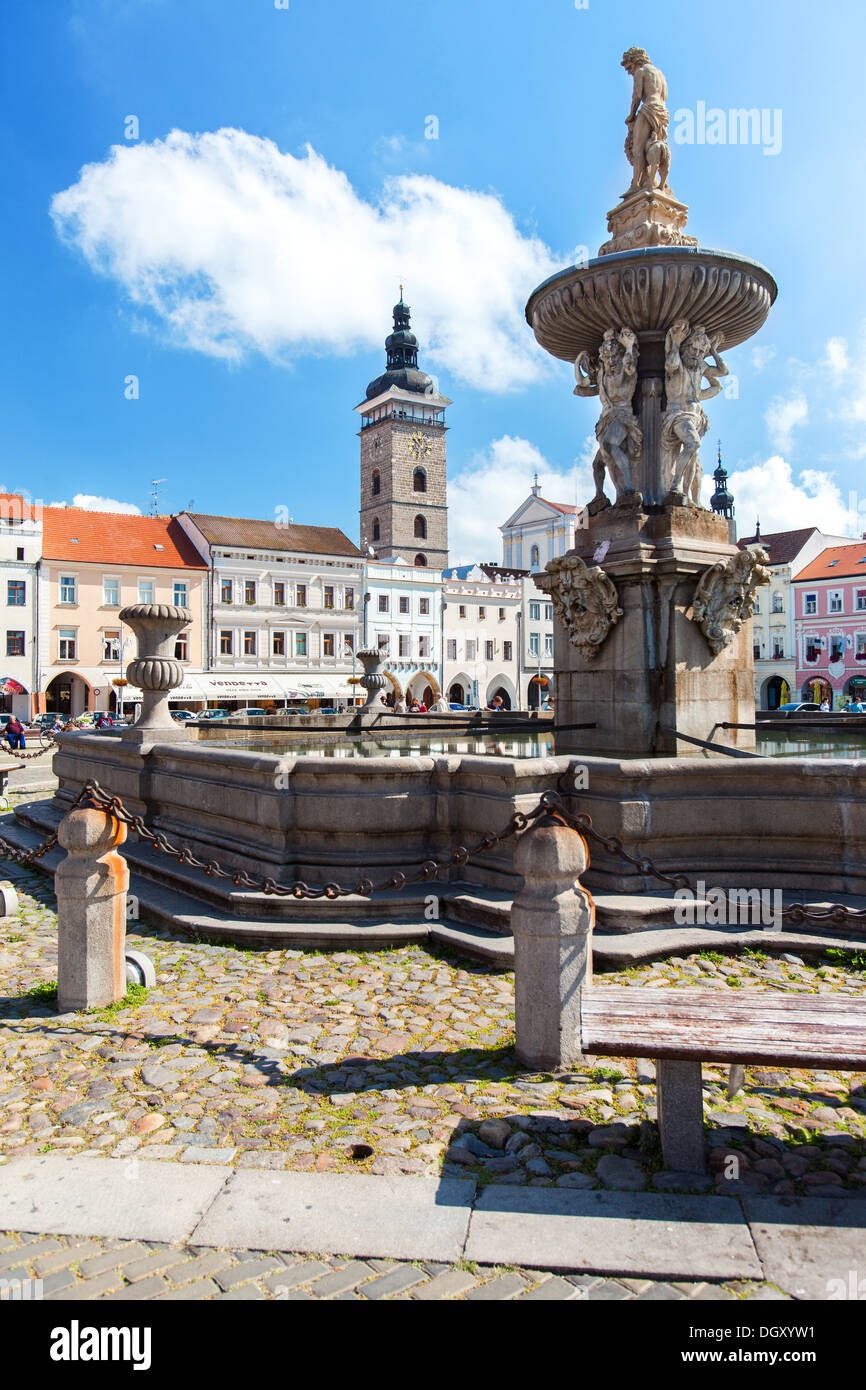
(560, 506)
(14, 508)
(837, 562)
(116, 538)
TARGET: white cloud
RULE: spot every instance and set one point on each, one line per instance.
(484, 494)
(836, 357)
(769, 491)
(762, 357)
(234, 246)
(783, 416)
(90, 503)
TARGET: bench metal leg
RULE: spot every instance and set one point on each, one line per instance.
(681, 1115)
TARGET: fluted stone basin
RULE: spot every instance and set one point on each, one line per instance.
(648, 291)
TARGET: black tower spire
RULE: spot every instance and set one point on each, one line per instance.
(722, 501)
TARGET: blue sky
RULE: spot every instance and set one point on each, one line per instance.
(243, 269)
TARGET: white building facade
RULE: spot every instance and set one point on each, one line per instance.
(481, 635)
(285, 612)
(404, 620)
(20, 552)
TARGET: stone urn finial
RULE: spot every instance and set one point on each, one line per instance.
(155, 670)
(373, 681)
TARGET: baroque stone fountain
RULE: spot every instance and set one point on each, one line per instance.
(653, 637)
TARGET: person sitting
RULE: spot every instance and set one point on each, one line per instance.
(442, 706)
(497, 703)
(400, 706)
(15, 733)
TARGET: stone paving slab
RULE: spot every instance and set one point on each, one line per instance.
(101, 1197)
(401, 1218)
(613, 1232)
(813, 1248)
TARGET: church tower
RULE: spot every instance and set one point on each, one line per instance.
(722, 501)
(404, 509)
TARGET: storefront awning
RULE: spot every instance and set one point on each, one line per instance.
(250, 687)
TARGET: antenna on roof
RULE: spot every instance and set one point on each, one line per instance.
(154, 501)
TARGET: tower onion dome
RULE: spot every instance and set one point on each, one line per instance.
(722, 501)
(402, 360)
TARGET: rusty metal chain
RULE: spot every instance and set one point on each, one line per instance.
(29, 856)
(796, 913)
(47, 743)
(364, 887)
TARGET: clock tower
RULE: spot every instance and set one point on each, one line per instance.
(404, 510)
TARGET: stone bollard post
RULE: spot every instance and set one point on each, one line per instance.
(552, 920)
(91, 884)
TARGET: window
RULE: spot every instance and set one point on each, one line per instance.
(424, 647)
(506, 651)
(181, 594)
(535, 612)
(548, 612)
(301, 595)
(420, 528)
(813, 649)
(424, 607)
(860, 647)
(488, 651)
(348, 643)
(860, 600)
(181, 647)
(14, 643)
(350, 600)
(67, 588)
(19, 552)
(404, 604)
(548, 644)
(15, 593)
(482, 614)
(419, 480)
(226, 643)
(778, 604)
(451, 648)
(279, 644)
(111, 645)
(375, 528)
(383, 603)
(756, 605)
(835, 605)
(249, 591)
(329, 595)
(535, 560)
(67, 644)
(470, 650)
(756, 650)
(462, 610)
(376, 486)
(403, 645)
(502, 615)
(810, 604)
(250, 642)
(837, 648)
(225, 591)
(420, 561)
(383, 642)
(300, 644)
(279, 594)
(145, 591)
(534, 644)
(111, 593)
(778, 649)
(327, 644)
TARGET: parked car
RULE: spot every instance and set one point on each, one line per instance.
(251, 712)
(328, 710)
(213, 714)
(182, 715)
(41, 721)
(805, 707)
(293, 709)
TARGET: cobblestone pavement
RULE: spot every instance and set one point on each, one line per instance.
(70, 1267)
(397, 1061)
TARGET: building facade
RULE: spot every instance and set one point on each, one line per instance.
(93, 565)
(481, 634)
(774, 624)
(830, 616)
(404, 508)
(284, 611)
(20, 553)
(404, 620)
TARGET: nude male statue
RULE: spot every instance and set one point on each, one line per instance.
(613, 379)
(684, 423)
(646, 145)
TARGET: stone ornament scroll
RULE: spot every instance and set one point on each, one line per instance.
(585, 601)
(725, 596)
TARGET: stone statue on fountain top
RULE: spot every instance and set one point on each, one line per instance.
(684, 423)
(613, 379)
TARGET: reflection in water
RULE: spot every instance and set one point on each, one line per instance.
(535, 744)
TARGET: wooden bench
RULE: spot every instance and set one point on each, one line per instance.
(561, 1016)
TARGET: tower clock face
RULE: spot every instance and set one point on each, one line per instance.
(419, 445)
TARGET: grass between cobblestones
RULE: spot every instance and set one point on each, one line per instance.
(305, 1060)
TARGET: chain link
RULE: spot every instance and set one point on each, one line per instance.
(47, 743)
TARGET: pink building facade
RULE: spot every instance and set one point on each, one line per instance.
(830, 624)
